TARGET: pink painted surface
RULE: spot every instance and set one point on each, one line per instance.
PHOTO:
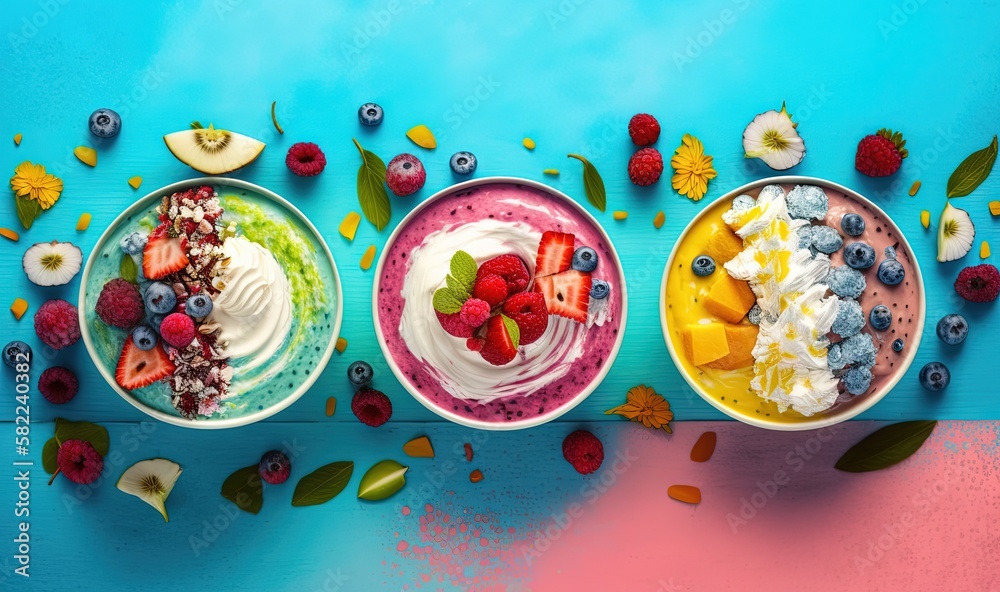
(775, 515)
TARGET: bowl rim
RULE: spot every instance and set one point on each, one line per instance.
(476, 423)
(818, 420)
(142, 204)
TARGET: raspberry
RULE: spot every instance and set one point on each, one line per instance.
(475, 312)
(120, 304)
(371, 407)
(511, 268)
(79, 461)
(528, 310)
(643, 129)
(474, 344)
(584, 451)
(305, 159)
(645, 167)
(980, 283)
(275, 467)
(58, 385)
(177, 329)
(454, 325)
(490, 287)
(405, 174)
(880, 154)
(57, 324)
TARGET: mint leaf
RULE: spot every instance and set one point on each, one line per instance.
(512, 329)
(446, 302)
(464, 268)
(371, 189)
(973, 171)
(593, 184)
(245, 489)
(129, 270)
(83, 430)
(457, 288)
(323, 484)
(27, 210)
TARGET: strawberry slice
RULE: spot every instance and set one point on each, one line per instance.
(498, 349)
(555, 253)
(528, 310)
(138, 368)
(567, 294)
(163, 255)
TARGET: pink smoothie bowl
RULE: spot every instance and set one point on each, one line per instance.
(531, 395)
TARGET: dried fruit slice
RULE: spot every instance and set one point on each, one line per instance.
(476, 476)
(138, 368)
(134, 182)
(528, 143)
(659, 219)
(17, 139)
(422, 136)
(341, 345)
(925, 218)
(689, 494)
(994, 208)
(567, 294)
(331, 406)
(368, 257)
(984, 250)
(956, 234)
(19, 307)
(419, 447)
(163, 255)
(349, 226)
(619, 215)
(704, 447)
(555, 253)
(86, 154)
(468, 451)
(914, 188)
(9, 234)
(83, 223)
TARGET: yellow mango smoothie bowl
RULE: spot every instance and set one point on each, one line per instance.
(792, 303)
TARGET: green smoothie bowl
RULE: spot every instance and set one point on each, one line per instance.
(211, 303)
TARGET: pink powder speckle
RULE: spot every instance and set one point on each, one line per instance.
(406, 510)
(402, 546)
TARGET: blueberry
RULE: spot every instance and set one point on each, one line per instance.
(133, 244)
(155, 321)
(846, 282)
(600, 289)
(897, 345)
(891, 272)
(370, 114)
(743, 202)
(198, 306)
(857, 380)
(952, 329)
(463, 163)
(880, 317)
(807, 202)
(853, 224)
(275, 467)
(835, 357)
(144, 338)
(584, 259)
(934, 376)
(160, 298)
(859, 255)
(703, 265)
(360, 373)
(826, 240)
(859, 350)
(11, 351)
(805, 236)
(850, 318)
(105, 123)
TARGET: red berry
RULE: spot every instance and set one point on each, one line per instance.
(645, 166)
(57, 324)
(79, 461)
(528, 310)
(880, 154)
(584, 451)
(643, 129)
(454, 325)
(474, 344)
(510, 268)
(499, 348)
(275, 467)
(120, 304)
(405, 174)
(491, 288)
(177, 329)
(58, 385)
(371, 407)
(980, 283)
(475, 312)
(305, 159)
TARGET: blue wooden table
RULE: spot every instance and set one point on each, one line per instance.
(482, 76)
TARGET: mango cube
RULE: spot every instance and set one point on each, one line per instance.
(740, 339)
(705, 342)
(723, 245)
(995, 208)
(730, 299)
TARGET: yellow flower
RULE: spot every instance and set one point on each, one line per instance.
(646, 406)
(32, 181)
(692, 168)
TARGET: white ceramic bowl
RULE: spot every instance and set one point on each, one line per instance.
(836, 414)
(448, 413)
(103, 354)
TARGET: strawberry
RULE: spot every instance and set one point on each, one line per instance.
(880, 154)
(498, 349)
(453, 324)
(555, 253)
(163, 255)
(528, 310)
(567, 294)
(510, 268)
(138, 368)
(491, 288)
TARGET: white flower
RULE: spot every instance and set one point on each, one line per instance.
(151, 481)
(52, 264)
(771, 137)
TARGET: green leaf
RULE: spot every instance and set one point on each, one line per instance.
(446, 302)
(245, 489)
(974, 170)
(323, 484)
(456, 288)
(83, 430)
(50, 456)
(512, 329)
(886, 447)
(593, 184)
(464, 268)
(27, 210)
(196, 125)
(129, 270)
(371, 189)
(382, 480)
